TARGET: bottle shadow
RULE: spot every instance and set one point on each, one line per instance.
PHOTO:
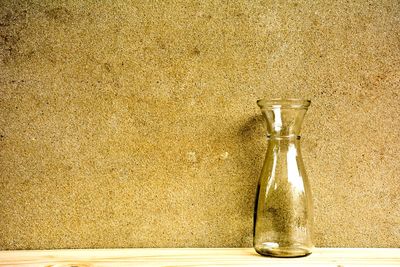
(252, 147)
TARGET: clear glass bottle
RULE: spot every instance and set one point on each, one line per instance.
(283, 210)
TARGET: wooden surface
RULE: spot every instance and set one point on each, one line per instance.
(195, 257)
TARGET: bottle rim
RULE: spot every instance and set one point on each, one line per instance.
(283, 103)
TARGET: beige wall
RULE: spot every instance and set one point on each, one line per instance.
(134, 123)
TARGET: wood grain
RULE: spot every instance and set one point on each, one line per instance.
(193, 257)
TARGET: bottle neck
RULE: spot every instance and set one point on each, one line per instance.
(283, 121)
(282, 144)
(291, 137)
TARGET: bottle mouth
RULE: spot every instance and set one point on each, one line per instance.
(283, 103)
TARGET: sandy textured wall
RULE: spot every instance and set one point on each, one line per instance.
(134, 123)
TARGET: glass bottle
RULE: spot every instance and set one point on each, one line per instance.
(283, 210)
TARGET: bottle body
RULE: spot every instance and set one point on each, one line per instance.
(283, 210)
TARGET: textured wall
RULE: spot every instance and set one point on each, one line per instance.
(134, 123)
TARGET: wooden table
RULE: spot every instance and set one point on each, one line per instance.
(337, 257)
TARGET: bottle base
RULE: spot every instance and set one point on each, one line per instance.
(283, 252)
